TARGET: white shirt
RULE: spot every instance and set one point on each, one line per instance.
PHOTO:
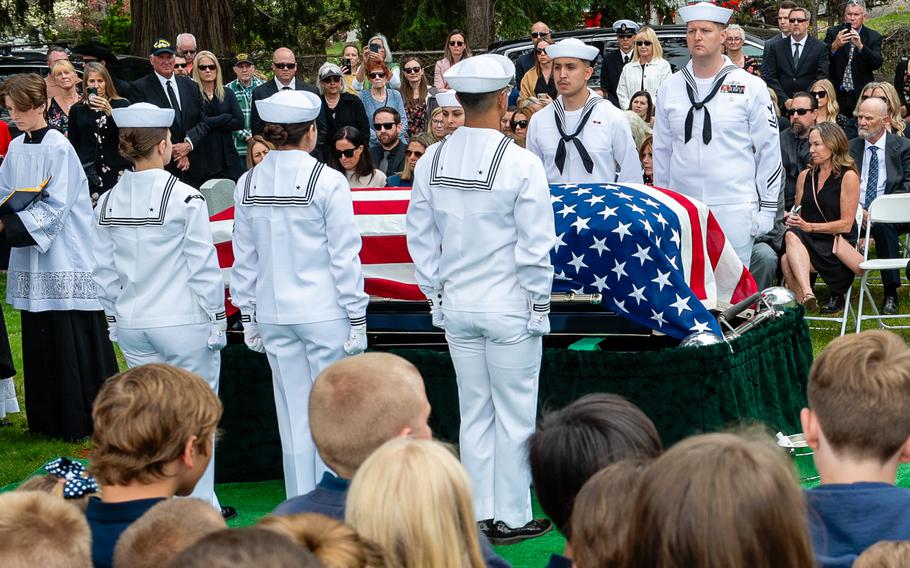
(742, 163)
(281, 86)
(296, 243)
(626, 56)
(607, 137)
(801, 43)
(655, 73)
(173, 81)
(56, 272)
(480, 225)
(156, 264)
(882, 167)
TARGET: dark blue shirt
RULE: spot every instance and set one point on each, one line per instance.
(846, 519)
(329, 499)
(108, 521)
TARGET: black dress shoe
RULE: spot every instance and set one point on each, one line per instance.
(503, 534)
(889, 308)
(486, 527)
(835, 304)
(228, 512)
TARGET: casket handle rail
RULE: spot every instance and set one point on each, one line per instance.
(771, 303)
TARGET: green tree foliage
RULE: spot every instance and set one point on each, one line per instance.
(116, 27)
(303, 24)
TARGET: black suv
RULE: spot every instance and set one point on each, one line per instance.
(672, 40)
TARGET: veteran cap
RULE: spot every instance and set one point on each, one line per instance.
(143, 115)
(243, 58)
(162, 45)
(574, 48)
(705, 12)
(289, 107)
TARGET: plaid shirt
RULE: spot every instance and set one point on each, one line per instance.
(245, 99)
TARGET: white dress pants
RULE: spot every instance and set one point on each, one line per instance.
(497, 365)
(185, 347)
(297, 354)
(736, 221)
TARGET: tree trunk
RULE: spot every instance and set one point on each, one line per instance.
(212, 22)
(480, 23)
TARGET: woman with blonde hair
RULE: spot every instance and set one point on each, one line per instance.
(413, 498)
(258, 147)
(828, 109)
(215, 156)
(647, 71)
(538, 81)
(718, 500)
(58, 111)
(334, 543)
(417, 147)
(886, 92)
(436, 126)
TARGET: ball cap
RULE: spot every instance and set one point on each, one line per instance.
(243, 58)
(162, 45)
(481, 74)
(289, 107)
(143, 115)
(705, 12)
(574, 48)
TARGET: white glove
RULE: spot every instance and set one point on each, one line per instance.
(357, 340)
(439, 320)
(111, 328)
(764, 222)
(251, 333)
(539, 322)
(218, 333)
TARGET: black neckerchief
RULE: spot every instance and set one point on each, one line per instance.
(560, 119)
(36, 136)
(691, 89)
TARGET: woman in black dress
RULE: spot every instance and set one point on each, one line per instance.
(93, 133)
(216, 156)
(828, 194)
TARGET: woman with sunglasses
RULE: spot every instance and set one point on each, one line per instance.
(417, 147)
(886, 92)
(643, 105)
(351, 156)
(828, 108)
(647, 71)
(341, 108)
(380, 95)
(416, 92)
(436, 127)
(519, 124)
(456, 49)
(215, 157)
(538, 81)
(377, 51)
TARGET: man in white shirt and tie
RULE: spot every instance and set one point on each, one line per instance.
(883, 160)
(612, 65)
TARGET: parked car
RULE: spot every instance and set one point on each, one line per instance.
(672, 39)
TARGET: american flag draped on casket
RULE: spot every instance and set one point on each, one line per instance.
(658, 258)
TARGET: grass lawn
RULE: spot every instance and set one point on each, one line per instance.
(891, 22)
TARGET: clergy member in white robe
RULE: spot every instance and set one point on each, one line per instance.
(716, 137)
(480, 229)
(581, 137)
(297, 278)
(65, 350)
(156, 267)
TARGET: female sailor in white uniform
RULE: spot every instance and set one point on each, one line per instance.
(156, 268)
(297, 278)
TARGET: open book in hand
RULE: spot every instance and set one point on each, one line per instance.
(19, 199)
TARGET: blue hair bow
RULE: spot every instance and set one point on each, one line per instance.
(77, 483)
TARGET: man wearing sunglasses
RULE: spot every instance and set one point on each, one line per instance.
(388, 151)
(165, 89)
(856, 52)
(284, 65)
(480, 229)
(539, 31)
(181, 66)
(611, 68)
(797, 62)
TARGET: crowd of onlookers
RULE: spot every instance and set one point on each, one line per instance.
(396, 498)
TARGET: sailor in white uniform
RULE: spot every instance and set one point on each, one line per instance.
(156, 268)
(297, 278)
(715, 134)
(480, 229)
(452, 112)
(581, 137)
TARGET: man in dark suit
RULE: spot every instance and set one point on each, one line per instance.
(794, 141)
(539, 31)
(388, 150)
(883, 160)
(284, 65)
(854, 53)
(783, 23)
(612, 65)
(164, 89)
(793, 64)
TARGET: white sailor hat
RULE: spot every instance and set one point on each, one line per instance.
(574, 48)
(143, 115)
(448, 98)
(705, 12)
(289, 107)
(481, 74)
(625, 27)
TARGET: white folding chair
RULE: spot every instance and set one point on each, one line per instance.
(848, 307)
(219, 194)
(893, 208)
